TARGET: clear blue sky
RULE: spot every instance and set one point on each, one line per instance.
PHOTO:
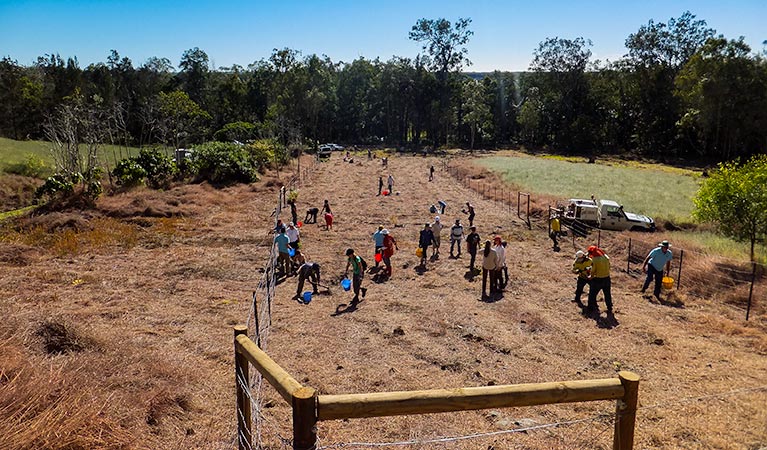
(241, 32)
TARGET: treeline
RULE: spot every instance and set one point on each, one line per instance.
(681, 91)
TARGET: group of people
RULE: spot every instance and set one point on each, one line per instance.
(592, 268)
(494, 266)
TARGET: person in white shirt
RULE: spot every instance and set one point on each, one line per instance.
(500, 250)
(436, 228)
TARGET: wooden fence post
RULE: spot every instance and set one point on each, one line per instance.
(241, 381)
(628, 260)
(625, 412)
(751, 290)
(679, 273)
(304, 419)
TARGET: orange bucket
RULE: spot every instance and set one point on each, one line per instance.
(668, 283)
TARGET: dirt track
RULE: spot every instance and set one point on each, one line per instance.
(162, 314)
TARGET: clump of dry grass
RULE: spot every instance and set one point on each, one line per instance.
(98, 234)
(44, 406)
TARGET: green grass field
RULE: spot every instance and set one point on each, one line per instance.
(15, 152)
(661, 193)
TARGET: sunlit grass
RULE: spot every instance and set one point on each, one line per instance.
(16, 152)
(15, 213)
(717, 244)
(642, 188)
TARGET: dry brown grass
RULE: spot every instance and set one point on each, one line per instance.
(155, 321)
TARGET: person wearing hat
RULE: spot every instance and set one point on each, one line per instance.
(436, 228)
(388, 250)
(472, 245)
(659, 258)
(378, 240)
(425, 239)
(456, 236)
(600, 279)
(357, 274)
(582, 268)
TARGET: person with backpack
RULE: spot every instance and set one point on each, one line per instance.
(456, 236)
(390, 244)
(425, 239)
(358, 266)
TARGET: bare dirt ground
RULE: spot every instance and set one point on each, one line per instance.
(144, 321)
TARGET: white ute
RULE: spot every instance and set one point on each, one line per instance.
(606, 214)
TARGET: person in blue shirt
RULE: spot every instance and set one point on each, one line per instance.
(283, 259)
(378, 239)
(654, 264)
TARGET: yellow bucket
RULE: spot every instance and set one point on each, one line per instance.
(419, 252)
(668, 283)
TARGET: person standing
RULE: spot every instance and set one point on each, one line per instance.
(380, 184)
(293, 212)
(283, 256)
(555, 229)
(654, 264)
(328, 215)
(436, 229)
(425, 239)
(470, 211)
(472, 245)
(355, 262)
(442, 206)
(294, 236)
(501, 252)
(390, 244)
(489, 263)
(431, 173)
(505, 268)
(378, 240)
(308, 271)
(456, 236)
(600, 279)
(582, 268)
(390, 182)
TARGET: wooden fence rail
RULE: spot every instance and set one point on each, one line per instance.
(309, 408)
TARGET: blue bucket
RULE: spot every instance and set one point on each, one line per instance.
(291, 252)
(307, 296)
(346, 284)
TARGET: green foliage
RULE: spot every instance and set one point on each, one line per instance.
(220, 162)
(292, 196)
(735, 198)
(65, 185)
(129, 172)
(33, 166)
(159, 168)
(236, 131)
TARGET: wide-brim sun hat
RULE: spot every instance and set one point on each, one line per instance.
(384, 231)
(664, 244)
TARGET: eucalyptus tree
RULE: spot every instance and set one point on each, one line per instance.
(445, 44)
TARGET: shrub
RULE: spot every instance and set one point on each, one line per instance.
(235, 131)
(220, 162)
(129, 173)
(150, 164)
(33, 166)
(62, 186)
